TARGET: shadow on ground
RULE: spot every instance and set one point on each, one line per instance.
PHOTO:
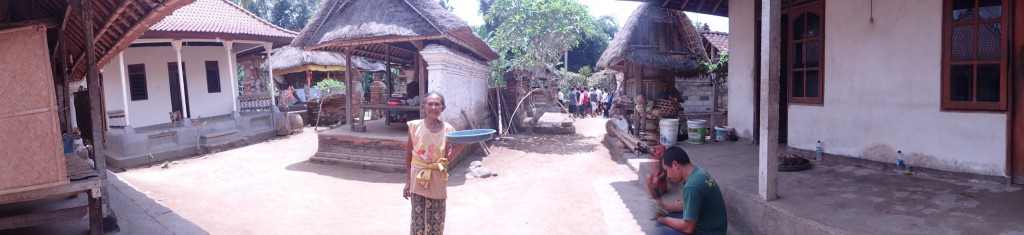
(549, 144)
(456, 172)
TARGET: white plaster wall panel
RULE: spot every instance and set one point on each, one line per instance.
(462, 80)
(202, 103)
(882, 93)
(112, 91)
(154, 110)
(741, 69)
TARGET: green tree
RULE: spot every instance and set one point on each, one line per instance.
(446, 5)
(256, 7)
(537, 32)
(281, 13)
(593, 44)
(303, 12)
(485, 6)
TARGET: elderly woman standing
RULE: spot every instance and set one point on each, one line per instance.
(427, 156)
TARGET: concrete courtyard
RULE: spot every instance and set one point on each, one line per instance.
(547, 184)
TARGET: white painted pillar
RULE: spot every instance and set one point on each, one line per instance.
(181, 78)
(771, 64)
(270, 73)
(232, 76)
(124, 87)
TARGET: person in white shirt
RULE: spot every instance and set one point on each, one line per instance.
(561, 96)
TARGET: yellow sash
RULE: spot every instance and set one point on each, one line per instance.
(423, 176)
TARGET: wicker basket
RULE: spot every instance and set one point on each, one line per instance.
(667, 108)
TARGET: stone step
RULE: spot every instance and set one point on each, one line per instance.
(360, 162)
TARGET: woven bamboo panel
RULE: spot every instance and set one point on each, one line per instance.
(30, 147)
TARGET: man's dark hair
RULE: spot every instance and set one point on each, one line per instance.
(675, 154)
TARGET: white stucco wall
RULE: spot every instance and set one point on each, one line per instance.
(155, 109)
(741, 67)
(462, 81)
(882, 91)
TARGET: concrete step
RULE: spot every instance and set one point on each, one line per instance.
(360, 162)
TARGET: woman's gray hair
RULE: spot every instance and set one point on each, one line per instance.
(438, 94)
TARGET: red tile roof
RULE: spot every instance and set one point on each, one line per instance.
(219, 16)
(718, 39)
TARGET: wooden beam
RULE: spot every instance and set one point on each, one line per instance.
(683, 7)
(113, 17)
(97, 112)
(348, 89)
(41, 218)
(50, 23)
(716, 6)
(381, 56)
(665, 3)
(699, 7)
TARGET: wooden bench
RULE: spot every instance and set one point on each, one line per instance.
(81, 182)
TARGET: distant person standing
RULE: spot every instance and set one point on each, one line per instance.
(584, 102)
(573, 96)
(701, 210)
(606, 99)
(561, 96)
(595, 96)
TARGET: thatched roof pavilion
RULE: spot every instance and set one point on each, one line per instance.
(394, 32)
(367, 25)
(289, 59)
(655, 37)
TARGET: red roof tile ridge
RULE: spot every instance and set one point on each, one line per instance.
(257, 18)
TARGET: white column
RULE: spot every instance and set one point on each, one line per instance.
(124, 87)
(181, 78)
(770, 68)
(270, 73)
(232, 76)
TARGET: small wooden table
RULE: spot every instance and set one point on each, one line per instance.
(387, 119)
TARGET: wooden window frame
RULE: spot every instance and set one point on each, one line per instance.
(947, 26)
(817, 7)
(137, 86)
(213, 79)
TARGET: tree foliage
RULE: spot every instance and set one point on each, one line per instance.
(446, 5)
(289, 14)
(536, 33)
(593, 44)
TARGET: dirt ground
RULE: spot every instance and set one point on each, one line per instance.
(546, 185)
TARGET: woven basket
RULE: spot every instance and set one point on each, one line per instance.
(667, 108)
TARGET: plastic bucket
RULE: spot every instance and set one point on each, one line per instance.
(696, 131)
(729, 135)
(668, 127)
(720, 134)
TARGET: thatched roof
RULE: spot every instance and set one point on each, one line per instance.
(627, 44)
(710, 7)
(367, 24)
(290, 57)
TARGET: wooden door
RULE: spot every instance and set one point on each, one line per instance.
(1017, 96)
(175, 88)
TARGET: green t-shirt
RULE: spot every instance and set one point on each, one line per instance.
(702, 201)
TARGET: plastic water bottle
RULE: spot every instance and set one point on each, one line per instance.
(900, 165)
(818, 151)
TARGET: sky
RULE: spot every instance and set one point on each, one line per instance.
(467, 9)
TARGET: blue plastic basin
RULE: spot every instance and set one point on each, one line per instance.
(470, 136)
